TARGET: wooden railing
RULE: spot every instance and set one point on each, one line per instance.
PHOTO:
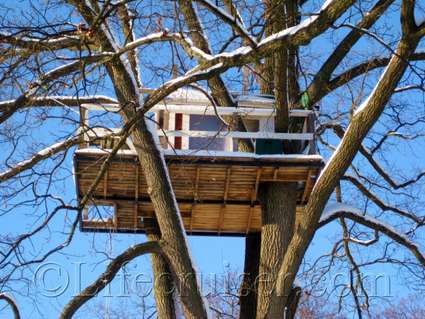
(264, 116)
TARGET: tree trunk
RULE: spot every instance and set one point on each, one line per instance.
(278, 202)
(249, 285)
(163, 284)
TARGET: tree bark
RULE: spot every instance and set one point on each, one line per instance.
(278, 200)
(278, 203)
(163, 284)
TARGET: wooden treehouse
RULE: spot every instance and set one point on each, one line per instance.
(215, 185)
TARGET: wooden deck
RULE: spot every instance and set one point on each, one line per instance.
(217, 193)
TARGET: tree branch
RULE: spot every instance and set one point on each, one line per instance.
(324, 74)
(12, 304)
(60, 100)
(339, 131)
(234, 22)
(378, 202)
(357, 216)
(108, 275)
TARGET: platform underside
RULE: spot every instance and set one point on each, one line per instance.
(217, 194)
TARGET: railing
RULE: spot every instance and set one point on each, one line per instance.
(168, 133)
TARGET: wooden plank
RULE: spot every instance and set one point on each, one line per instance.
(307, 186)
(195, 192)
(105, 184)
(135, 214)
(136, 183)
(257, 183)
(276, 170)
(226, 187)
(86, 213)
(248, 225)
(192, 217)
(221, 218)
(225, 193)
(238, 219)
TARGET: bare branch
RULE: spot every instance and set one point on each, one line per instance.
(375, 224)
(12, 304)
(232, 21)
(324, 74)
(108, 275)
(339, 131)
(382, 205)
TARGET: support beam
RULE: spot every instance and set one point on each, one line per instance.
(257, 184)
(307, 186)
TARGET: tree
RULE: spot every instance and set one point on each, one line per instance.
(75, 49)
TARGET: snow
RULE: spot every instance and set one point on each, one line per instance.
(339, 207)
(295, 29)
(36, 40)
(46, 152)
(217, 154)
(288, 31)
(244, 50)
(236, 134)
(326, 4)
(256, 100)
(187, 96)
(332, 209)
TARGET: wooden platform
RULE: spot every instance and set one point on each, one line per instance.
(217, 193)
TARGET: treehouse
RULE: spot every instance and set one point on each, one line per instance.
(216, 186)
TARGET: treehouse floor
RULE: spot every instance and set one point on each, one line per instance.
(216, 191)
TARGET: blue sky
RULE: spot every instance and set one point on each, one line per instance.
(53, 283)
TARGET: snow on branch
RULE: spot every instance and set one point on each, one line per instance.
(185, 42)
(61, 100)
(36, 45)
(338, 210)
(46, 153)
(300, 34)
(38, 157)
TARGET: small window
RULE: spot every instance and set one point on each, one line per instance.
(99, 211)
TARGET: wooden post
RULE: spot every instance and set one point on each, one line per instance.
(223, 206)
(311, 119)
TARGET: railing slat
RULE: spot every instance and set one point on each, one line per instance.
(241, 135)
(205, 110)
